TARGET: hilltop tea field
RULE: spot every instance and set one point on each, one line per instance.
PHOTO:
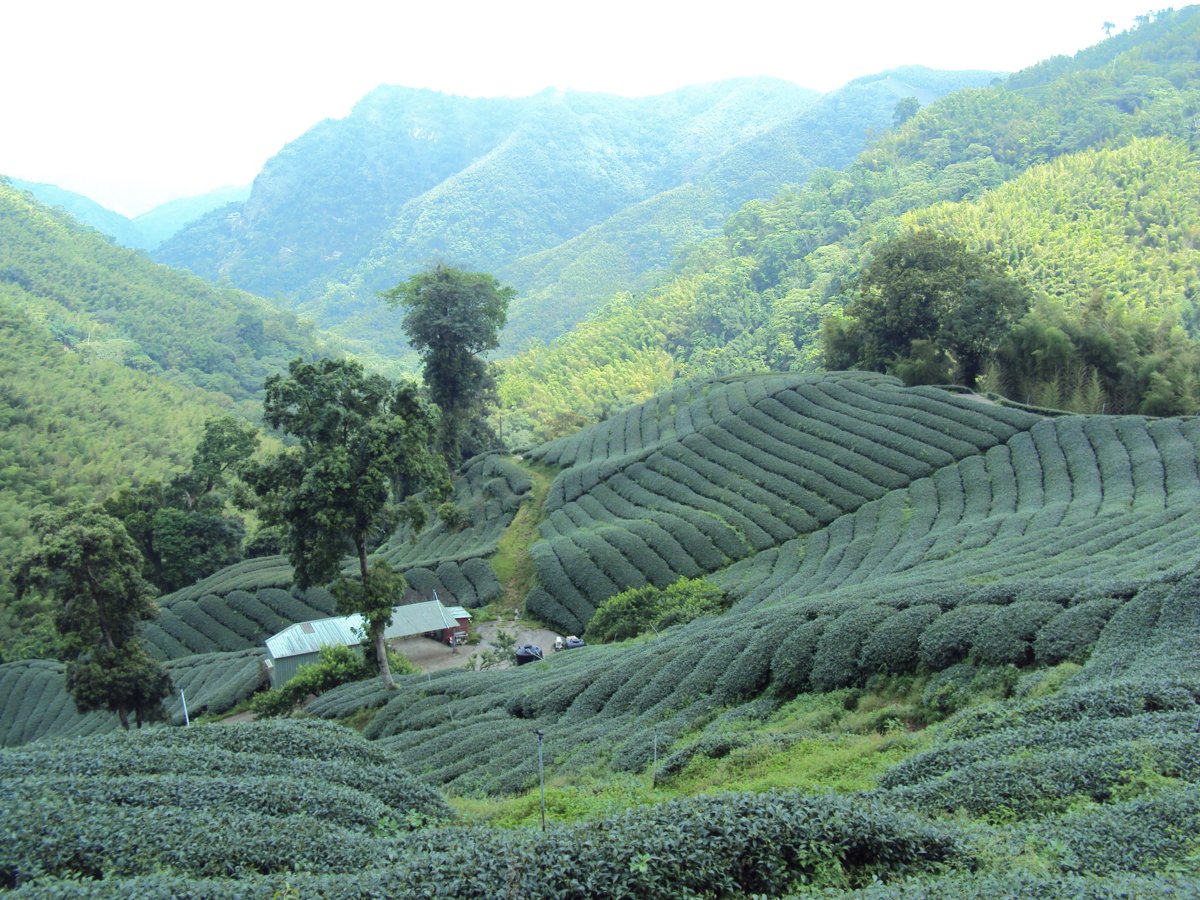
(957, 660)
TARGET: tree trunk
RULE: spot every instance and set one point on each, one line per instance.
(123, 715)
(385, 670)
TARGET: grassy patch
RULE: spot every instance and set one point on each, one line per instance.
(840, 741)
(512, 563)
(567, 800)
(359, 720)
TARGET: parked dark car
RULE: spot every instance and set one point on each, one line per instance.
(571, 642)
(527, 653)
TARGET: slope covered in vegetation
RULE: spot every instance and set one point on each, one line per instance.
(1043, 562)
(77, 426)
(143, 232)
(758, 298)
(110, 364)
(94, 296)
(569, 197)
(411, 173)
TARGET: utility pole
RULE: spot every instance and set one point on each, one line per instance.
(542, 776)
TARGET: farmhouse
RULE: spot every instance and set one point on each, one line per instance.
(301, 644)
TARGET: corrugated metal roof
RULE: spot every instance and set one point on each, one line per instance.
(309, 637)
(418, 618)
(407, 620)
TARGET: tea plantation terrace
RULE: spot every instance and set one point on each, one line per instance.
(867, 533)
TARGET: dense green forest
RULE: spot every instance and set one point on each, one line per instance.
(561, 286)
(111, 364)
(339, 193)
(758, 296)
(568, 197)
(76, 427)
(101, 299)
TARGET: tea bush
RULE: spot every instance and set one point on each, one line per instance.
(744, 475)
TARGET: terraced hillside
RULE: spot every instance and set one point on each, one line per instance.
(957, 544)
(890, 530)
(36, 705)
(1087, 503)
(211, 633)
(239, 607)
(710, 474)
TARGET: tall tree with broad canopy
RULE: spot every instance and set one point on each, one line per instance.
(926, 308)
(364, 445)
(451, 317)
(182, 527)
(88, 564)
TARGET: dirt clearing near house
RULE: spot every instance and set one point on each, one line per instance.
(429, 655)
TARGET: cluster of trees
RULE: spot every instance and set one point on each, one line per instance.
(928, 310)
(758, 297)
(642, 609)
(88, 565)
(363, 449)
(367, 448)
(185, 527)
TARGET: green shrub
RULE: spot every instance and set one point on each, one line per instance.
(835, 663)
(1007, 637)
(949, 638)
(1069, 636)
(640, 610)
(455, 517)
(950, 689)
(791, 663)
(894, 646)
(337, 665)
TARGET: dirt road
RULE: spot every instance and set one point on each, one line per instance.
(432, 656)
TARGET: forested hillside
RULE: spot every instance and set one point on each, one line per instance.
(414, 173)
(106, 301)
(161, 223)
(758, 297)
(87, 211)
(562, 286)
(569, 197)
(145, 231)
(77, 426)
(110, 364)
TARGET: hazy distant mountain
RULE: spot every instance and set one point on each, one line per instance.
(163, 221)
(120, 228)
(411, 175)
(633, 248)
(569, 197)
(109, 302)
(144, 232)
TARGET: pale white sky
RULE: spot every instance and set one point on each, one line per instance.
(135, 102)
